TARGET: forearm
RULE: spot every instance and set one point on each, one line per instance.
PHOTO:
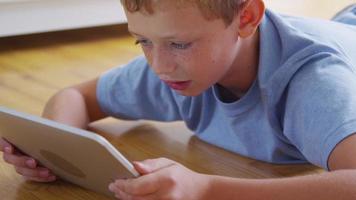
(333, 185)
(68, 107)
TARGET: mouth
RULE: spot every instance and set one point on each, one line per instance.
(178, 85)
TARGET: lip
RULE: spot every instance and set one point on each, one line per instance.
(178, 85)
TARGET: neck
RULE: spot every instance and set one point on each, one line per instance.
(244, 69)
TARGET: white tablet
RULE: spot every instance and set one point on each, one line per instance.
(78, 156)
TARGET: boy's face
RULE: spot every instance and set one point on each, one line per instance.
(184, 49)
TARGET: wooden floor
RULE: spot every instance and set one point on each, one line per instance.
(32, 68)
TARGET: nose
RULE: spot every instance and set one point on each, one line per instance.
(162, 61)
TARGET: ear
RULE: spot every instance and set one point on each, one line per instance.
(251, 15)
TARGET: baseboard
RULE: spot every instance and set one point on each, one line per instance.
(18, 17)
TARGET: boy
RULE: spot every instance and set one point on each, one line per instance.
(275, 88)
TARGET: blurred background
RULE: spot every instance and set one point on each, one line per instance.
(46, 45)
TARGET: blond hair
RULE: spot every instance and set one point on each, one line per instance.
(211, 9)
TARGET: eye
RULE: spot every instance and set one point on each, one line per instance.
(181, 45)
(143, 42)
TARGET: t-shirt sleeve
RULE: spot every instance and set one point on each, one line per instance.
(134, 92)
(320, 108)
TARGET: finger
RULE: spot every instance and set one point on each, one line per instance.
(39, 172)
(20, 161)
(124, 196)
(148, 183)
(143, 185)
(41, 180)
(5, 146)
(147, 197)
(152, 165)
(141, 168)
(117, 192)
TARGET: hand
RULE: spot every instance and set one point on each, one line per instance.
(162, 179)
(24, 165)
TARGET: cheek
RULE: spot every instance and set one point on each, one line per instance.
(148, 54)
(223, 55)
(213, 65)
(167, 56)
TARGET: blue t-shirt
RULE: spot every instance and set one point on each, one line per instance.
(301, 105)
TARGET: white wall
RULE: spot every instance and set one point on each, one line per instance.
(19, 17)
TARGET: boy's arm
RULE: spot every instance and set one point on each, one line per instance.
(340, 183)
(76, 106)
(165, 179)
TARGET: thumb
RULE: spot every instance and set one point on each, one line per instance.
(152, 165)
(141, 168)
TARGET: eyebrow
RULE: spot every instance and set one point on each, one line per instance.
(133, 33)
(165, 37)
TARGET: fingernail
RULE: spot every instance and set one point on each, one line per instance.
(140, 164)
(112, 187)
(142, 168)
(8, 150)
(31, 163)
